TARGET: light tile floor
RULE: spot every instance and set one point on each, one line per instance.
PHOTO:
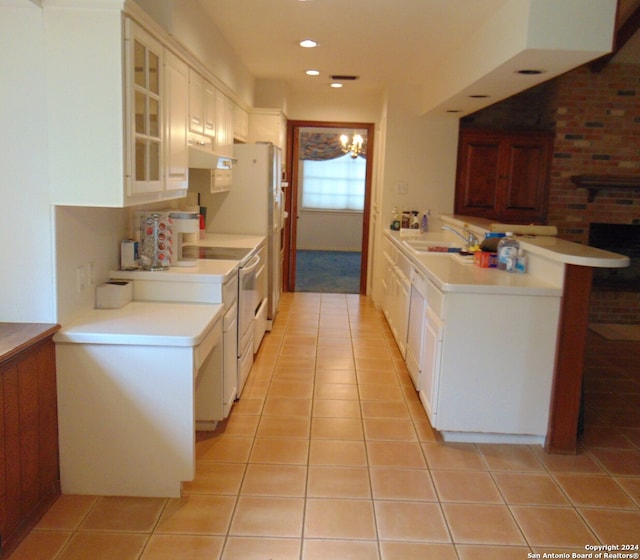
(329, 455)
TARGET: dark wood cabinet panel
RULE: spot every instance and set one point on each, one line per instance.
(11, 451)
(478, 176)
(503, 175)
(48, 421)
(29, 463)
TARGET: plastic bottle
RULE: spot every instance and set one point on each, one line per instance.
(521, 261)
(406, 219)
(395, 219)
(508, 253)
(415, 222)
(424, 223)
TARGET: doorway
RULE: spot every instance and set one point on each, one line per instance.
(328, 202)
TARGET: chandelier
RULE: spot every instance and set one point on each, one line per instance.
(353, 148)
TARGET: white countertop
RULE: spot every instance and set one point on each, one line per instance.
(568, 252)
(552, 248)
(144, 323)
(450, 275)
(205, 271)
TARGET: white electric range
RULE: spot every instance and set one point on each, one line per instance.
(230, 270)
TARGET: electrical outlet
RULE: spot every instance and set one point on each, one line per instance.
(81, 279)
(402, 188)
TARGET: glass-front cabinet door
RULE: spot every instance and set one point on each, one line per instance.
(145, 104)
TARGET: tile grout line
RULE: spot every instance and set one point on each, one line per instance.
(374, 512)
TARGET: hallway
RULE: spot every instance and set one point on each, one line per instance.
(329, 454)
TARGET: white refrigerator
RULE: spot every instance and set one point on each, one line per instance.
(255, 205)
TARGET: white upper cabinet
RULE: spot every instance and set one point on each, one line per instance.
(209, 110)
(107, 109)
(196, 102)
(240, 124)
(85, 84)
(144, 105)
(268, 125)
(202, 105)
(177, 114)
(225, 113)
(124, 104)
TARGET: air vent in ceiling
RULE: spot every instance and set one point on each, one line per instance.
(341, 77)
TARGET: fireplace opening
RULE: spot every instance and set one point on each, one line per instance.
(625, 240)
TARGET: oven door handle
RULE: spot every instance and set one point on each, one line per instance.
(251, 266)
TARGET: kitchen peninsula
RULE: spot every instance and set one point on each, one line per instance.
(497, 356)
(127, 396)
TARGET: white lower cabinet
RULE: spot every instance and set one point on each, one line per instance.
(397, 294)
(488, 369)
(481, 356)
(430, 364)
(132, 383)
(416, 326)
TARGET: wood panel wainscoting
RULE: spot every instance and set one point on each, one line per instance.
(29, 460)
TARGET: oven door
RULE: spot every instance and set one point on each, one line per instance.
(247, 299)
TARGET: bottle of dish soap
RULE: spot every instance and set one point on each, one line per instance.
(508, 253)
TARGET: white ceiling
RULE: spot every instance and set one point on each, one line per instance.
(381, 41)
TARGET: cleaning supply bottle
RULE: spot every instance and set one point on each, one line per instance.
(508, 253)
(415, 222)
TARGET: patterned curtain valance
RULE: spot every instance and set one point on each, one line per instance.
(319, 146)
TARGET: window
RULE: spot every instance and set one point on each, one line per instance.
(334, 184)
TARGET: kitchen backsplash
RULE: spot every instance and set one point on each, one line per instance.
(87, 246)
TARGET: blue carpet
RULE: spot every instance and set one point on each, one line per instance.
(333, 272)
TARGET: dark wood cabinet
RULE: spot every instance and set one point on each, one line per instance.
(503, 175)
(29, 464)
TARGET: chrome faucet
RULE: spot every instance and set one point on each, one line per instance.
(470, 238)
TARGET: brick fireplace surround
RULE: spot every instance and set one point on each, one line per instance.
(596, 120)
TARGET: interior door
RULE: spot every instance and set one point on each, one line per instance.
(292, 195)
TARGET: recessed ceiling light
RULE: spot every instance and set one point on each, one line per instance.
(308, 44)
(312, 72)
(336, 85)
(530, 72)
